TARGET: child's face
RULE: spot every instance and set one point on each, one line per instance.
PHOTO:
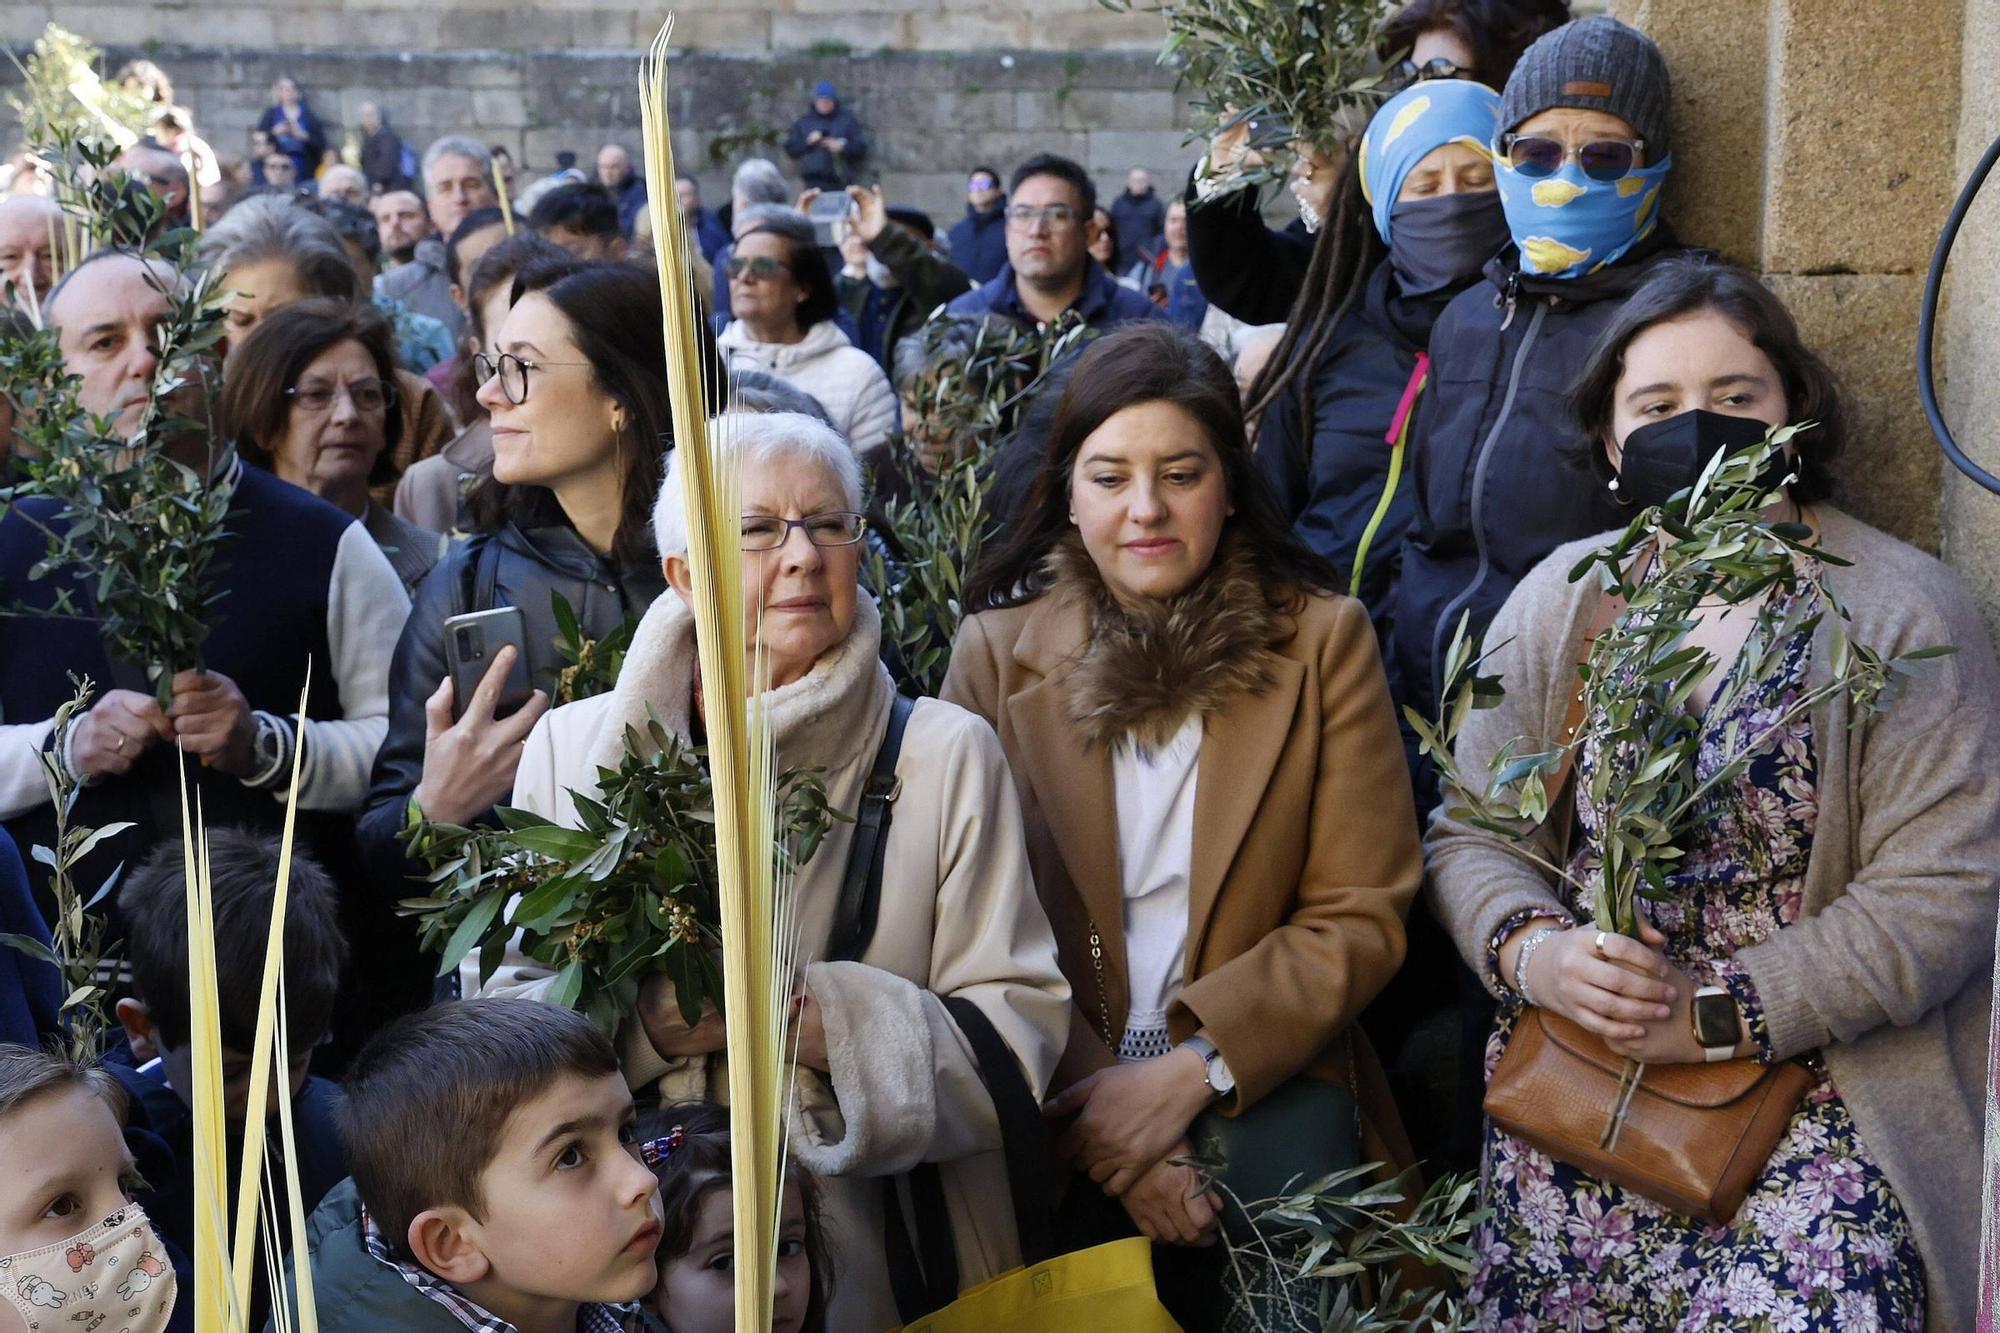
(697, 1291)
(571, 1214)
(64, 1168)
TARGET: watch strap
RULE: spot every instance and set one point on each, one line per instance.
(273, 748)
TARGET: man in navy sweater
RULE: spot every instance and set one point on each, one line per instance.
(301, 583)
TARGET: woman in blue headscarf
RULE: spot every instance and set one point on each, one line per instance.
(1336, 395)
(1336, 399)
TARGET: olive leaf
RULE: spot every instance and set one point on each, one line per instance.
(970, 397)
(630, 892)
(1713, 545)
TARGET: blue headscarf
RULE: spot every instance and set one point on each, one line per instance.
(1422, 118)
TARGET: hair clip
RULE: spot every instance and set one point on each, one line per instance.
(656, 1152)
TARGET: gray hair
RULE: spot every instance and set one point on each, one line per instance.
(780, 218)
(761, 391)
(758, 181)
(163, 274)
(751, 439)
(456, 145)
(275, 226)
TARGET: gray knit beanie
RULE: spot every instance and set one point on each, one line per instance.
(1596, 64)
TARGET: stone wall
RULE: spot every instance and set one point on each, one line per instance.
(557, 25)
(931, 115)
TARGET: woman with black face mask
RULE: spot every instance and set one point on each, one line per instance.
(1337, 393)
(1834, 897)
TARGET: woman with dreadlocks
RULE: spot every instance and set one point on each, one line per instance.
(1336, 395)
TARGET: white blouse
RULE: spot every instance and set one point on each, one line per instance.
(1155, 797)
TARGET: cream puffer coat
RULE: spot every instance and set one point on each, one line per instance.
(959, 916)
(845, 379)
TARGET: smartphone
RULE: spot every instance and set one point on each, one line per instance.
(470, 643)
(827, 210)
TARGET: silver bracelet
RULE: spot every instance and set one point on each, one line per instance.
(1528, 947)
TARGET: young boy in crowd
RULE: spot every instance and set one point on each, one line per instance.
(243, 870)
(74, 1247)
(497, 1183)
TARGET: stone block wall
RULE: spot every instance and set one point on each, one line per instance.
(931, 115)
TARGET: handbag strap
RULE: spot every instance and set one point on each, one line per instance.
(928, 1282)
(1562, 810)
(861, 887)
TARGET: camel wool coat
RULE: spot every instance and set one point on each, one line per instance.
(1305, 849)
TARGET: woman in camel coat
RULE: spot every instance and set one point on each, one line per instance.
(1218, 817)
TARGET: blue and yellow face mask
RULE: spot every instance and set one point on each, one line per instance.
(1568, 225)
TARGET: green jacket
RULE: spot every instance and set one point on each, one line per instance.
(928, 280)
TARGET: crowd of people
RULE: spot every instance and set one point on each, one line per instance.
(1167, 835)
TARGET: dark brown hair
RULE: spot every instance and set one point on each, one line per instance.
(806, 262)
(429, 1097)
(255, 408)
(698, 1167)
(613, 312)
(1148, 362)
(243, 866)
(1689, 284)
(1495, 31)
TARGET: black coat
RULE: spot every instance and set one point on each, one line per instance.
(513, 567)
(979, 241)
(1141, 220)
(1493, 494)
(1252, 271)
(1329, 464)
(818, 166)
(382, 160)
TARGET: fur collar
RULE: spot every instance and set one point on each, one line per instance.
(822, 720)
(1143, 671)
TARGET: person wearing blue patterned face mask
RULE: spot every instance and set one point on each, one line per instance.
(1582, 139)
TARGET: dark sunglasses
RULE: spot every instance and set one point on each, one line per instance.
(1406, 72)
(763, 268)
(1537, 157)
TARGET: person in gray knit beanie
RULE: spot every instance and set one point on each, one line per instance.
(1593, 64)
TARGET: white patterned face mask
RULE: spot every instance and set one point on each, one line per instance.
(112, 1278)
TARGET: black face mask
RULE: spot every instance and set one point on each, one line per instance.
(1669, 456)
(1444, 241)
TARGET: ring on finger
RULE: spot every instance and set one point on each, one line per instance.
(120, 747)
(1599, 945)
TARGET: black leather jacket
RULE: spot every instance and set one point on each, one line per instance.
(512, 567)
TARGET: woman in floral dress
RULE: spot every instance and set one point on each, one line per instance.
(1841, 888)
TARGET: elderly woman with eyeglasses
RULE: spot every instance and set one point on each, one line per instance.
(575, 381)
(887, 1077)
(311, 396)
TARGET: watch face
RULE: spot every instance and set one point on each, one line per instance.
(1715, 1020)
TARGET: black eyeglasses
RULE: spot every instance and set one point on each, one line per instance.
(767, 532)
(762, 268)
(1406, 72)
(366, 395)
(513, 372)
(1538, 157)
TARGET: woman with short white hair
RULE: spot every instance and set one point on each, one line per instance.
(888, 1078)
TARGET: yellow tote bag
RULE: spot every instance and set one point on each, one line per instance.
(1108, 1287)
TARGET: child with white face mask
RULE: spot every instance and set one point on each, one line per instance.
(74, 1249)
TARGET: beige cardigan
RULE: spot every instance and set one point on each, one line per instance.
(1889, 970)
(959, 916)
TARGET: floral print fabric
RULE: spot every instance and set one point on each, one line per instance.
(1822, 1242)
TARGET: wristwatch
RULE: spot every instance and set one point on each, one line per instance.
(1220, 1081)
(271, 753)
(1717, 1026)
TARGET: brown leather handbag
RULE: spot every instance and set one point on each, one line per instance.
(1693, 1137)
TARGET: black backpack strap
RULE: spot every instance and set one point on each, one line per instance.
(861, 889)
(925, 1283)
